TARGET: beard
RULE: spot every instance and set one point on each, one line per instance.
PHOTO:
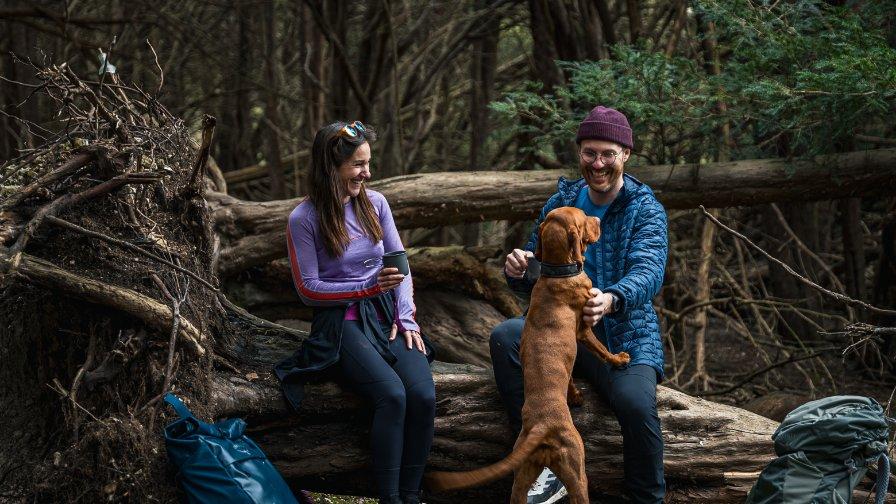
(606, 181)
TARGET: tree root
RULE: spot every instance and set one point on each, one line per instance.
(150, 311)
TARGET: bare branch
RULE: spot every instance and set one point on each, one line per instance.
(839, 297)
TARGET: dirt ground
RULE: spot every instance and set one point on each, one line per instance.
(731, 358)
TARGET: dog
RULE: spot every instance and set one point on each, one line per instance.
(548, 348)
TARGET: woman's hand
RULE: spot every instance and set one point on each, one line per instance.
(389, 278)
(412, 338)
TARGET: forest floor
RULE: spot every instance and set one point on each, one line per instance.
(730, 358)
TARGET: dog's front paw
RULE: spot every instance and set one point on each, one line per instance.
(621, 359)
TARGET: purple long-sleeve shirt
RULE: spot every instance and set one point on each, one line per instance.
(322, 280)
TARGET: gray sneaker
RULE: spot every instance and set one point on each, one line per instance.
(546, 489)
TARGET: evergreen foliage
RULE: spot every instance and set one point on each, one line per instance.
(796, 78)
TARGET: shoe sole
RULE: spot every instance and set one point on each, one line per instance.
(557, 496)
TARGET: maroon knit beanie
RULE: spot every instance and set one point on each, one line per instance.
(604, 123)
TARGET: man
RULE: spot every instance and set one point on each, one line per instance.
(626, 268)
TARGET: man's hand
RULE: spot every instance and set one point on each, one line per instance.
(597, 306)
(517, 262)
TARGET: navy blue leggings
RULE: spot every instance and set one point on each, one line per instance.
(403, 397)
(630, 392)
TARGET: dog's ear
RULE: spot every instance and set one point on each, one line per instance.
(576, 245)
(538, 242)
(592, 230)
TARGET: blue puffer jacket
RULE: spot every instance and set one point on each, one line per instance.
(632, 249)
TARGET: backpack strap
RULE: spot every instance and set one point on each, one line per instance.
(883, 479)
(178, 405)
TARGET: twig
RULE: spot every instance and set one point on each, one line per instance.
(172, 341)
(857, 343)
(743, 291)
(130, 246)
(61, 391)
(260, 322)
(802, 246)
(74, 163)
(68, 200)
(208, 129)
(676, 316)
(105, 67)
(751, 376)
(839, 297)
(76, 382)
(161, 72)
(88, 363)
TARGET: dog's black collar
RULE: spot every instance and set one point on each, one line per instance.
(560, 270)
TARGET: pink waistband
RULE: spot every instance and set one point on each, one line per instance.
(354, 313)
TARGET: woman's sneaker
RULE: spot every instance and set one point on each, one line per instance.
(546, 489)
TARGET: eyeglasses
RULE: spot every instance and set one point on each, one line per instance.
(606, 157)
(351, 130)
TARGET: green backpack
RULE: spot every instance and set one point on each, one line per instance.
(824, 448)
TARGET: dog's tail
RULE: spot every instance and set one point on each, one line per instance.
(439, 481)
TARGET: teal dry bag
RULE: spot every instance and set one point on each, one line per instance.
(217, 463)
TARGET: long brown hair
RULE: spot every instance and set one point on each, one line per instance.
(328, 152)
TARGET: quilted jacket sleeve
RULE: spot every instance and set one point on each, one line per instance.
(646, 260)
(524, 285)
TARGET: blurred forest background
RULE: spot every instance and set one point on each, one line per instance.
(500, 86)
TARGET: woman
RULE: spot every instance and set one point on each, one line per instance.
(336, 239)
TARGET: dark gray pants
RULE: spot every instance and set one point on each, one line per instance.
(404, 406)
(630, 392)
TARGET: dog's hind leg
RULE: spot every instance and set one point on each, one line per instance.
(586, 336)
(522, 481)
(570, 468)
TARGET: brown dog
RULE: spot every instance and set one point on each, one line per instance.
(547, 352)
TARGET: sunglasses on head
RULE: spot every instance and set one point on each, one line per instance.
(351, 130)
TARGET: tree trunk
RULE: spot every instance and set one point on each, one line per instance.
(544, 50)
(634, 20)
(235, 131)
(253, 232)
(482, 69)
(884, 289)
(277, 188)
(802, 220)
(704, 289)
(853, 246)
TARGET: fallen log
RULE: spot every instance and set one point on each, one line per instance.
(713, 452)
(253, 233)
